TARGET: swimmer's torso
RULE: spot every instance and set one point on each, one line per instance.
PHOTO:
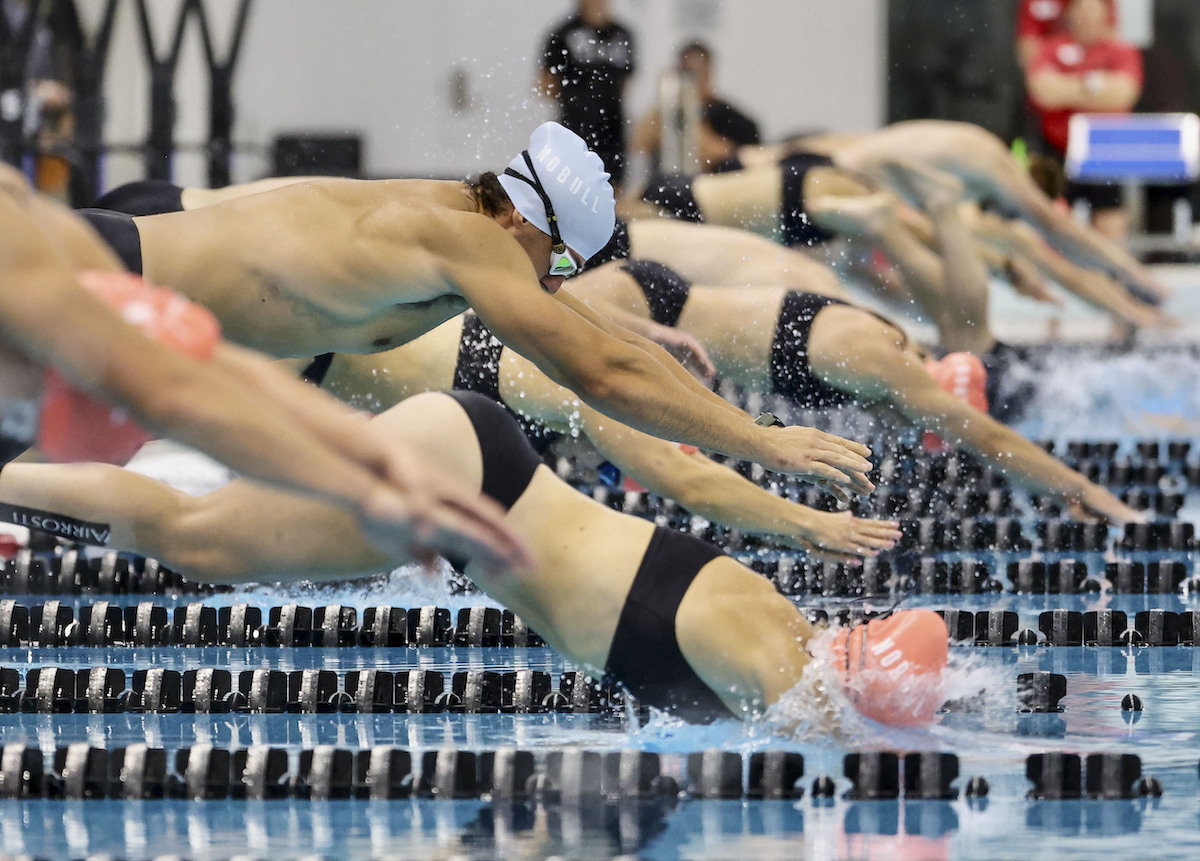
(330, 265)
(381, 380)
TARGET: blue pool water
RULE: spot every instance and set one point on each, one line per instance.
(986, 728)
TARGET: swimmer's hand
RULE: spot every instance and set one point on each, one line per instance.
(832, 463)
(683, 346)
(1097, 504)
(1028, 281)
(422, 512)
(842, 537)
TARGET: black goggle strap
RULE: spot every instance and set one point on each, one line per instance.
(559, 246)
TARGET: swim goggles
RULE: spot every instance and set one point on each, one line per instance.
(562, 262)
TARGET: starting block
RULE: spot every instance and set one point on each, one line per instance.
(1135, 150)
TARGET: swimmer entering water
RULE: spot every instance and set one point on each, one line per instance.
(358, 267)
(679, 624)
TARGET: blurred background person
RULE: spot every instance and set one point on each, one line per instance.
(721, 129)
(40, 41)
(586, 64)
(1037, 20)
(1085, 68)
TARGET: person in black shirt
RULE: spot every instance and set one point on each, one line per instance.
(586, 62)
(723, 128)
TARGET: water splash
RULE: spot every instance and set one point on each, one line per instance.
(1093, 396)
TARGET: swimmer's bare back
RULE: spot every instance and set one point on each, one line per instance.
(321, 266)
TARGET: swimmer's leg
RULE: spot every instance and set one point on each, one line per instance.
(961, 310)
(1011, 186)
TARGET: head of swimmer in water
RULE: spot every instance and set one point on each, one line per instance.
(556, 201)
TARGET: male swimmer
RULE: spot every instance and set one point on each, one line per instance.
(348, 266)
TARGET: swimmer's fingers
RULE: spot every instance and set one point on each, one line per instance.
(1027, 281)
(474, 527)
(823, 456)
(876, 534)
(1163, 320)
(439, 514)
(451, 534)
(856, 448)
(844, 477)
(837, 491)
(817, 553)
(688, 351)
(439, 501)
(844, 533)
(1146, 316)
(1100, 505)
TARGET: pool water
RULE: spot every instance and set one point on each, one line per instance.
(988, 725)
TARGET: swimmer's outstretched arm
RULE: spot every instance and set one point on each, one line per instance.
(721, 495)
(1092, 285)
(46, 314)
(880, 371)
(577, 349)
(680, 345)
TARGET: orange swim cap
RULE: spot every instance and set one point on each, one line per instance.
(964, 376)
(892, 667)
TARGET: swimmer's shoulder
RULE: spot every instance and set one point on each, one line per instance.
(442, 217)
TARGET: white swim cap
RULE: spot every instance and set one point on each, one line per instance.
(574, 179)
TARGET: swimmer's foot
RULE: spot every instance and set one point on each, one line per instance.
(892, 668)
(933, 190)
(861, 215)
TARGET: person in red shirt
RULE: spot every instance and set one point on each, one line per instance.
(1086, 68)
(1037, 20)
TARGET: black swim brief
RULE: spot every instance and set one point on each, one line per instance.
(509, 461)
(666, 291)
(644, 657)
(18, 427)
(477, 369)
(674, 194)
(617, 247)
(798, 229)
(119, 232)
(791, 374)
(316, 370)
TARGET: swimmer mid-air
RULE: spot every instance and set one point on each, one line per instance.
(819, 352)
(352, 266)
(679, 624)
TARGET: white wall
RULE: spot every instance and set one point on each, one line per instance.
(384, 68)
